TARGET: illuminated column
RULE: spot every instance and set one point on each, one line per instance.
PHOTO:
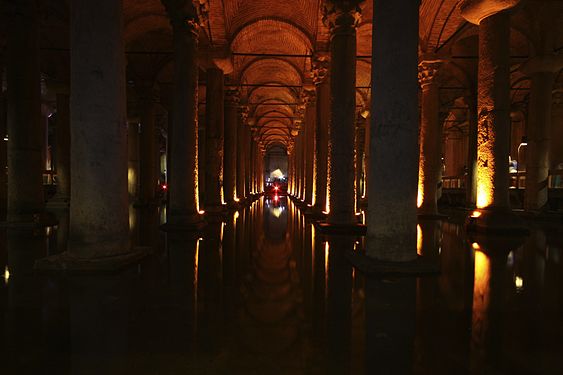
(230, 140)
(62, 153)
(24, 150)
(360, 143)
(542, 72)
(133, 166)
(99, 216)
(493, 109)
(214, 120)
(342, 18)
(367, 125)
(430, 139)
(322, 84)
(471, 182)
(310, 126)
(147, 150)
(297, 162)
(183, 202)
(392, 212)
(241, 163)
(247, 157)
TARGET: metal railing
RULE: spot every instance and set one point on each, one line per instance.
(517, 180)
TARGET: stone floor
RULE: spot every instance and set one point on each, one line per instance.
(263, 294)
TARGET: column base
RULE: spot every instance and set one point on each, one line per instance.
(39, 220)
(67, 262)
(493, 221)
(375, 267)
(350, 229)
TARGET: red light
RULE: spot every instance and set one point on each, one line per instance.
(276, 197)
(164, 187)
(275, 188)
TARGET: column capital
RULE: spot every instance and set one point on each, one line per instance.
(558, 97)
(244, 112)
(320, 68)
(187, 15)
(428, 72)
(341, 16)
(308, 96)
(232, 97)
(475, 11)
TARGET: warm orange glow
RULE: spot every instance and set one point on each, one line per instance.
(420, 196)
(6, 275)
(476, 214)
(481, 296)
(236, 215)
(484, 195)
(418, 240)
(475, 246)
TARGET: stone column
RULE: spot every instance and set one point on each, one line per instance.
(247, 160)
(62, 145)
(342, 18)
(133, 157)
(183, 202)
(493, 111)
(556, 141)
(392, 212)
(367, 136)
(360, 143)
(25, 168)
(214, 116)
(3, 146)
(310, 126)
(471, 181)
(541, 70)
(430, 139)
(322, 84)
(148, 148)
(99, 216)
(230, 140)
(241, 163)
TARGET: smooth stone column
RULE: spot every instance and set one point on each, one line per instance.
(214, 117)
(360, 143)
(62, 156)
(241, 163)
(342, 19)
(471, 181)
(247, 160)
(542, 72)
(430, 139)
(310, 126)
(183, 202)
(230, 141)
(3, 155)
(493, 110)
(148, 150)
(25, 169)
(133, 157)
(364, 194)
(322, 84)
(392, 211)
(556, 141)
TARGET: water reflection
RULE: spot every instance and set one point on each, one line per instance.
(262, 292)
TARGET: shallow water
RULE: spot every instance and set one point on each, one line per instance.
(263, 293)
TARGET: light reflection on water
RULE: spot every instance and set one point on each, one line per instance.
(264, 292)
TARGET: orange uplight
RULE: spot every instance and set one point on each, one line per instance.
(475, 214)
(475, 246)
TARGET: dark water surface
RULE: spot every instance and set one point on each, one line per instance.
(262, 293)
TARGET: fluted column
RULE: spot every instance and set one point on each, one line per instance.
(183, 203)
(99, 217)
(493, 111)
(393, 174)
(541, 70)
(342, 18)
(214, 134)
(148, 148)
(24, 150)
(430, 138)
(230, 142)
(322, 84)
